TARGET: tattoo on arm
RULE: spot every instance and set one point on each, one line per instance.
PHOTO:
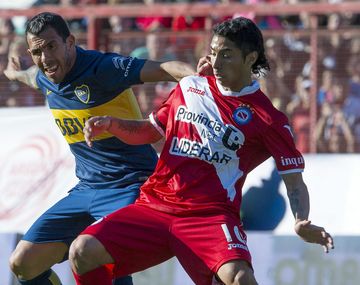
(131, 127)
(295, 204)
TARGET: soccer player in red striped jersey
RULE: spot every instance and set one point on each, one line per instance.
(217, 129)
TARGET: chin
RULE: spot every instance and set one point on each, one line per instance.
(55, 80)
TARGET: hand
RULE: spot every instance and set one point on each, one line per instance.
(314, 234)
(96, 126)
(204, 66)
(12, 68)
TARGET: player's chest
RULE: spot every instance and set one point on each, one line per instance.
(75, 95)
(226, 123)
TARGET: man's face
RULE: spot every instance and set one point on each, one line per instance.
(230, 68)
(51, 54)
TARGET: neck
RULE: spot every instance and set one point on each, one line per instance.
(238, 86)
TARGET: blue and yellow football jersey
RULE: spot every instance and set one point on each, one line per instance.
(99, 84)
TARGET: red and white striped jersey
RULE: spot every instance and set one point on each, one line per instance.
(214, 138)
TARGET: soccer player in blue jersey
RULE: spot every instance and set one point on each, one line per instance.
(79, 84)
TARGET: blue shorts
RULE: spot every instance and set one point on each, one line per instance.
(80, 208)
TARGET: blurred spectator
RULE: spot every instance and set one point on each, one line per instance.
(151, 24)
(156, 48)
(274, 81)
(7, 30)
(352, 102)
(155, 23)
(333, 133)
(331, 90)
(46, 2)
(298, 110)
(181, 23)
(18, 93)
(150, 96)
(115, 2)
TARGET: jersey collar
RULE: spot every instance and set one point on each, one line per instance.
(245, 91)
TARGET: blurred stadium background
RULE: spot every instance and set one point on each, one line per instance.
(314, 52)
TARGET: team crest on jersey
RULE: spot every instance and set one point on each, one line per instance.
(242, 115)
(83, 93)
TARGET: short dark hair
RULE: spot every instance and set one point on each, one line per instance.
(42, 21)
(248, 38)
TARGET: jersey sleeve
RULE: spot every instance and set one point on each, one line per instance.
(116, 71)
(159, 118)
(279, 141)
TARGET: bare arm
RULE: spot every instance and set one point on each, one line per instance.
(14, 72)
(298, 195)
(154, 71)
(132, 132)
(300, 206)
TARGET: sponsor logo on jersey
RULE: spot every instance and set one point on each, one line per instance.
(48, 92)
(70, 126)
(83, 93)
(71, 122)
(233, 138)
(118, 62)
(242, 115)
(188, 148)
(196, 91)
(285, 161)
(126, 73)
(184, 115)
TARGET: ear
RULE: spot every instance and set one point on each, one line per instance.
(251, 58)
(70, 41)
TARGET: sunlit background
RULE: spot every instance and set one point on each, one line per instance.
(314, 52)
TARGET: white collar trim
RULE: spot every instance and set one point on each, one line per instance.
(245, 91)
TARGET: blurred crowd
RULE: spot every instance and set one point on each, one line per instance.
(288, 42)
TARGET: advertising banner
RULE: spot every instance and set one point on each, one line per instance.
(36, 166)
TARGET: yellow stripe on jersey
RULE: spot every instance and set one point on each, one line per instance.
(71, 122)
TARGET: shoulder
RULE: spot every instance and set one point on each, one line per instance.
(266, 110)
(99, 57)
(193, 82)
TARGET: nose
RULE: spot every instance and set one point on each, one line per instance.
(216, 62)
(45, 56)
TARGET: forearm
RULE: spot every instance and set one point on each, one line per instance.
(298, 196)
(176, 70)
(154, 71)
(299, 202)
(134, 132)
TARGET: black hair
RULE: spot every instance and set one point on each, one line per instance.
(248, 38)
(42, 21)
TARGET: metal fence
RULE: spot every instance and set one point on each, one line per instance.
(313, 49)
